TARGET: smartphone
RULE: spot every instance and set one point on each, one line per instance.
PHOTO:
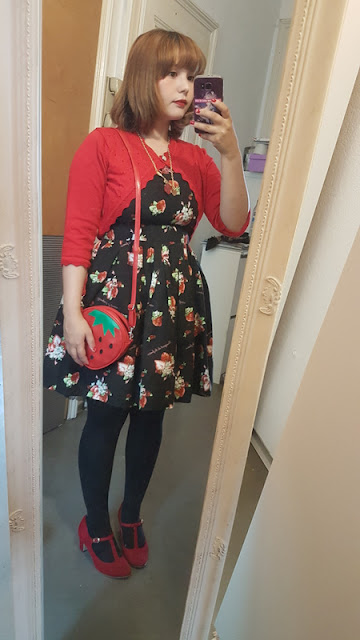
(206, 88)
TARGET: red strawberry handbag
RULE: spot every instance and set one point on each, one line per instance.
(113, 332)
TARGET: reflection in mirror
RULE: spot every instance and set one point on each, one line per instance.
(79, 602)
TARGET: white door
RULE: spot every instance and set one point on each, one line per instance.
(182, 16)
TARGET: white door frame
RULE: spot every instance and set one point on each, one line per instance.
(111, 52)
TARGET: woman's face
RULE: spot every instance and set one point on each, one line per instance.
(176, 92)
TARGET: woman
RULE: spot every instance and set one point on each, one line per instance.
(170, 357)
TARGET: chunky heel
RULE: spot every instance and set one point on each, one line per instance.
(118, 568)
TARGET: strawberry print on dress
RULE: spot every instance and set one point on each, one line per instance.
(170, 357)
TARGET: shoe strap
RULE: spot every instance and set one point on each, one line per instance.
(135, 524)
(105, 539)
(110, 539)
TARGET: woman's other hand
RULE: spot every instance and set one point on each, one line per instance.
(77, 333)
(76, 330)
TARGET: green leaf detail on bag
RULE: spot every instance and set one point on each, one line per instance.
(107, 323)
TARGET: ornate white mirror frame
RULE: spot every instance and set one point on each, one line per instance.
(319, 74)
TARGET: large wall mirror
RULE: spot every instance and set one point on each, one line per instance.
(280, 61)
(71, 104)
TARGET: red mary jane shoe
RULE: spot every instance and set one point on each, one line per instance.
(138, 556)
(118, 568)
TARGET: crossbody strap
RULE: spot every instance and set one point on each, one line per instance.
(136, 243)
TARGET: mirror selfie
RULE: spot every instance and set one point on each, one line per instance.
(132, 375)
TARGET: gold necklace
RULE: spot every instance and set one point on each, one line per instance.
(170, 186)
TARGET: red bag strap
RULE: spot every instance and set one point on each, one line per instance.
(136, 243)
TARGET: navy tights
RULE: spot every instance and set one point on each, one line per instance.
(96, 456)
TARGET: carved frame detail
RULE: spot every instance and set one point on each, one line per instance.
(8, 262)
(16, 521)
(219, 549)
(271, 295)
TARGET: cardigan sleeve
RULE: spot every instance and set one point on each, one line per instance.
(211, 196)
(86, 187)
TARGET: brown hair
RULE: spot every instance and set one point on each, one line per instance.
(153, 54)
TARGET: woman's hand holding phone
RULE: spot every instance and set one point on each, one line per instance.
(213, 122)
(221, 132)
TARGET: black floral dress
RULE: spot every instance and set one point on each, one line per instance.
(171, 354)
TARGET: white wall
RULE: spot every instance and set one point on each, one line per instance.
(242, 54)
(287, 8)
(326, 249)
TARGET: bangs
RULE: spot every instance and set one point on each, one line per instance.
(177, 50)
(154, 53)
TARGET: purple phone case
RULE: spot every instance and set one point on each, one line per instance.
(205, 89)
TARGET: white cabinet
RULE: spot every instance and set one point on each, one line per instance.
(237, 289)
(223, 268)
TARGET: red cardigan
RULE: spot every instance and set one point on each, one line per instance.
(101, 185)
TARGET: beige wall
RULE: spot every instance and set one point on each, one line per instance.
(70, 36)
(298, 574)
(325, 252)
